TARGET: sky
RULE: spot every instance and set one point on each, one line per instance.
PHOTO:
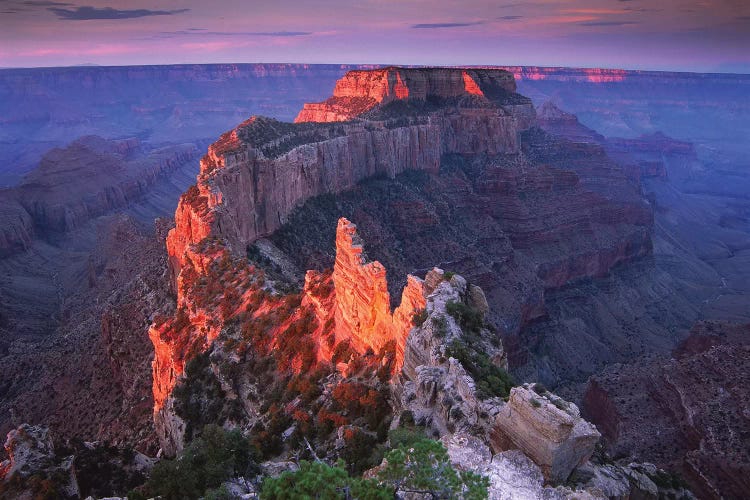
(674, 35)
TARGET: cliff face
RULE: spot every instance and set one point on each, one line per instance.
(360, 91)
(254, 176)
(17, 233)
(345, 310)
(363, 306)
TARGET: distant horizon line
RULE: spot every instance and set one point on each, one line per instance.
(372, 66)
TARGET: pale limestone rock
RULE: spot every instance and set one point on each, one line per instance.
(31, 451)
(170, 429)
(435, 388)
(512, 474)
(556, 438)
(478, 300)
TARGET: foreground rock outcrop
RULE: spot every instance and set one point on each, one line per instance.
(32, 454)
(547, 429)
(344, 311)
(37, 467)
(526, 440)
(443, 387)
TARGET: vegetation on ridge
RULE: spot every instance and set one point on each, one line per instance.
(490, 379)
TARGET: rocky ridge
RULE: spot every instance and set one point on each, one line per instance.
(345, 310)
(254, 176)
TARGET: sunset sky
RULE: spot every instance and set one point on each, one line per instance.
(709, 35)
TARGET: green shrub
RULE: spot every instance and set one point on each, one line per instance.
(199, 398)
(405, 436)
(470, 319)
(319, 480)
(540, 389)
(490, 379)
(204, 464)
(419, 317)
(424, 467)
(441, 326)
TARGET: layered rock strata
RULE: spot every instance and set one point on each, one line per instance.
(361, 91)
(255, 175)
(73, 185)
(547, 429)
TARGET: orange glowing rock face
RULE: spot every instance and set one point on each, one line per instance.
(349, 304)
(363, 305)
(471, 85)
(360, 91)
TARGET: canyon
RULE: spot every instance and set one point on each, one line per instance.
(223, 220)
(43, 108)
(581, 247)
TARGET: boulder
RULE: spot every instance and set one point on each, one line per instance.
(547, 429)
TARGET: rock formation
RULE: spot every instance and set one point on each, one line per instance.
(39, 468)
(254, 176)
(528, 445)
(360, 91)
(363, 307)
(31, 453)
(548, 430)
(443, 396)
(518, 226)
(348, 306)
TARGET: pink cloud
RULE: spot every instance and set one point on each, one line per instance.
(100, 50)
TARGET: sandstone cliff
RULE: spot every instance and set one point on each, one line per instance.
(345, 310)
(361, 91)
(254, 176)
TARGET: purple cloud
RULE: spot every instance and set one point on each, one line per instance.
(91, 13)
